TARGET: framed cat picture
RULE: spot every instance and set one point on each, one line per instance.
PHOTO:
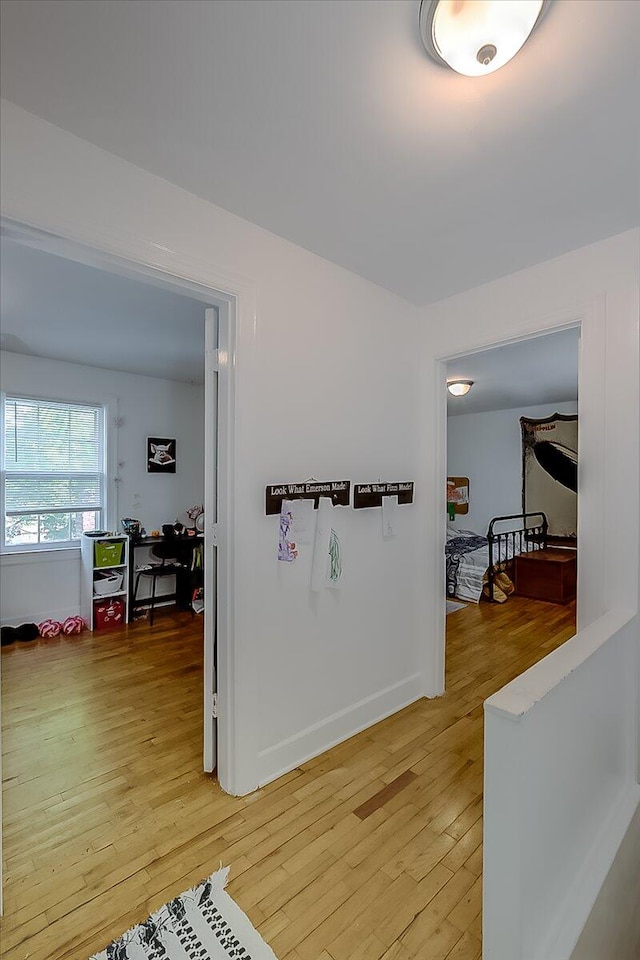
(161, 455)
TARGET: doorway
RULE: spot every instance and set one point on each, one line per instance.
(511, 521)
(219, 351)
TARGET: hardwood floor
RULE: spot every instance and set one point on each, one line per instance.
(370, 851)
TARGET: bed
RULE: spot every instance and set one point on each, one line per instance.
(473, 560)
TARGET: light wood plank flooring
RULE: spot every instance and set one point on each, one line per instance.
(371, 851)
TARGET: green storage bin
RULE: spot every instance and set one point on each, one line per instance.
(109, 553)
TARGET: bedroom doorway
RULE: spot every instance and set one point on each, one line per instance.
(212, 316)
(511, 503)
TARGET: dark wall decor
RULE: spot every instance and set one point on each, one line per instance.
(338, 490)
(371, 494)
(161, 455)
(550, 471)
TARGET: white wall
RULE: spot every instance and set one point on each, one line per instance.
(600, 285)
(307, 670)
(613, 927)
(487, 448)
(48, 585)
(560, 791)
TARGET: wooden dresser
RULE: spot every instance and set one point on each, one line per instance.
(547, 575)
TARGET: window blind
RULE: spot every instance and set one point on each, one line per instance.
(53, 457)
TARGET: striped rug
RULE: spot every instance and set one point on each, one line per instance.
(453, 605)
(201, 924)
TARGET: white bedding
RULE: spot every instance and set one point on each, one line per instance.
(474, 564)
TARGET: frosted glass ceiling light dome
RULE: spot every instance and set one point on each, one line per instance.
(458, 388)
(475, 37)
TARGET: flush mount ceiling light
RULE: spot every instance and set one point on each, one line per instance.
(458, 388)
(475, 37)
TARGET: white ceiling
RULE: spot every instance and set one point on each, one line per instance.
(541, 370)
(57, 308)
(326, 123)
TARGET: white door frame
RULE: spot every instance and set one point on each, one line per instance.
(591, 590)
(211, 458)
(235, 300)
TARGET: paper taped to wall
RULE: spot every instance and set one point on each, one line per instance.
(287, 551)
(321, 545)
(303, 526)
(334, 573)
(326, 568)
(389, 517)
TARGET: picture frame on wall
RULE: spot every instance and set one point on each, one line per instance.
(458, 495)
(161, 455)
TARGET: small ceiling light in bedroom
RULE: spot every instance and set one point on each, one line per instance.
(475, 37)
(458, 388)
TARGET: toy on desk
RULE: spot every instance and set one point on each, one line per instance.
(193, 513)
(192, 519)
(133, 528)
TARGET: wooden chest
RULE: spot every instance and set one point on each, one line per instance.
(547, 575)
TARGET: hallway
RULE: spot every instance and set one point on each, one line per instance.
(370, 851)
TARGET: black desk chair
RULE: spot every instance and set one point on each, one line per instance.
(168, 566)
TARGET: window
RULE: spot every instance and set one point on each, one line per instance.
(53, 476)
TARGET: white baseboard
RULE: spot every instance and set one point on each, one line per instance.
(60, 615)
(290, 753)
(574, 912)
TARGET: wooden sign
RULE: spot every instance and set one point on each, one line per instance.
(338, 490)
(371, 494)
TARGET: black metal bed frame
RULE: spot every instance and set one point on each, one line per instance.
(525, 538)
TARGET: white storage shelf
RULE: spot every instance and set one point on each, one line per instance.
(89, 599)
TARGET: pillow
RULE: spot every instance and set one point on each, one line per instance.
(73, 625)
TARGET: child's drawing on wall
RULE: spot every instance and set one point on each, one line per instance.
(335, 557)
(286, 547)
